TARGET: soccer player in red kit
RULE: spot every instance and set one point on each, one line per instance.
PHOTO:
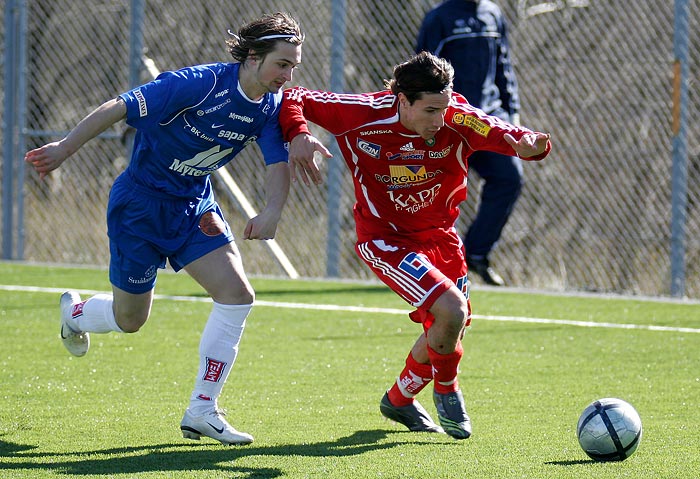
(407, 149)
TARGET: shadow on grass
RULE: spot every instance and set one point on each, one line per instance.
(571, 463)
(8, 449)
(187, 456)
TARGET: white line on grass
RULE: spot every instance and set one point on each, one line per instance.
(363, 309)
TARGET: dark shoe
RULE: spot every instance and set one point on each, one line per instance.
(453, 414)
(482, 267)
(413, 416)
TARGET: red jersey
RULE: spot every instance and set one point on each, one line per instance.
(404, 184)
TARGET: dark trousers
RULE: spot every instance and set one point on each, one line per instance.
(502, 182)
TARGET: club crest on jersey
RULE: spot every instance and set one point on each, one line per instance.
(371, 149)
(472, 122)
(214, 371)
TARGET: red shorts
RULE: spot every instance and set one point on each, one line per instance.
(419, 269)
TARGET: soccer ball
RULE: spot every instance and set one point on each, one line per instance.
(609, 430)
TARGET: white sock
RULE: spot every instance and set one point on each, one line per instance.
(97, 315)
(218, 349)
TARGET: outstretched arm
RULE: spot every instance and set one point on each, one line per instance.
(264, 225)
(50, 156)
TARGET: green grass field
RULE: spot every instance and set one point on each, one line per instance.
(308, 381)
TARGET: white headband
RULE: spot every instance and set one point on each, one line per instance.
(266, 37)
(272, 37)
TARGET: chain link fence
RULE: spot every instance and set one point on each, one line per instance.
(597, 74)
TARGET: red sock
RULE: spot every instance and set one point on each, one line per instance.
(445, 369)
(414, 377)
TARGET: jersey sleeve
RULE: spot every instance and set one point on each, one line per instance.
(485, 132)
(271, 141)
(170, 93)
(335, 112)
(292, 120)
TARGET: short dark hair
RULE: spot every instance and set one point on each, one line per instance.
(262, 34)
(423, 73)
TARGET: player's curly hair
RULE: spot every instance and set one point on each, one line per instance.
(423, 73)
(261, 35)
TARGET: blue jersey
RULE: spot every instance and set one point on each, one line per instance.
(192, 121)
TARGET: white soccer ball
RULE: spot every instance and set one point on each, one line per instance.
(609, 429)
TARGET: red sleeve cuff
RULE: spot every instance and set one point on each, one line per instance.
(296, 130)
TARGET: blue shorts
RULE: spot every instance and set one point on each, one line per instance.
(146, 228)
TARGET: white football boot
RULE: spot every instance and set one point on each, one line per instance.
(212, 424)
(76, 342)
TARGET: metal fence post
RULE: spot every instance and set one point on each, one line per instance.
(21, 123)
(136, 42)
(136, 58)
(679, 177)
(335, 164)
(9, 129)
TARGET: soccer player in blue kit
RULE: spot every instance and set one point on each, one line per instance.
(188, 123)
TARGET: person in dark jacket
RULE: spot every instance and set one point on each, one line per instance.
(472, 35)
